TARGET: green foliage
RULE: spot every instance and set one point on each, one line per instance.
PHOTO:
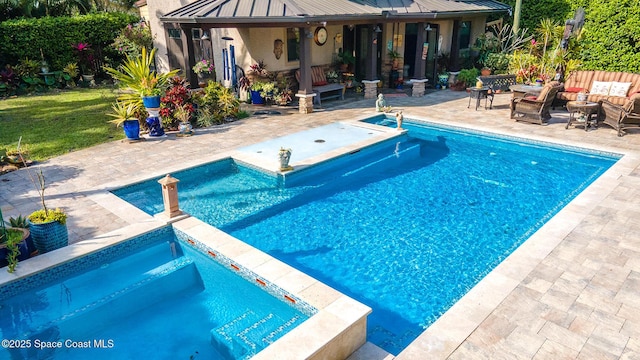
(468, 76)
(19, 222)
(135, 75)
(534, 11)
(42, 216)
(497, 62)
(132, 38)
(14, 237)
(25, 38)
(612, 38)
(122, 112)
(216, 104)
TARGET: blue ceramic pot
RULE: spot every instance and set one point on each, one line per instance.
(151, 101)
(131, 129)
(49, 236)
(256, 99)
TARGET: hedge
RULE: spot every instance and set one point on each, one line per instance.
(54, 36)
(610, 39)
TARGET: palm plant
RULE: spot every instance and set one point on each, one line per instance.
(135, 74)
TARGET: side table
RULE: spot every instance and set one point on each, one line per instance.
(584, 111)
(478, 94)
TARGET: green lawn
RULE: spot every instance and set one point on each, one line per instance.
(55, 123)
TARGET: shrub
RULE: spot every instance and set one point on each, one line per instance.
(175, 97)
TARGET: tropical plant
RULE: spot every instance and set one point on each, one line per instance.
(346, 58)
(176, 96)
(215, 104)
(135, 74)
(86, 60)
(19, 222)
(258, 68)
(122, 112)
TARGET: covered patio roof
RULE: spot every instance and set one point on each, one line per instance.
(243, 13)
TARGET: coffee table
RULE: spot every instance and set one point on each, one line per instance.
(584, 111)
(520, 89)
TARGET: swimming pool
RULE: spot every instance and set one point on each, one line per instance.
(406, 227)
(154, 296)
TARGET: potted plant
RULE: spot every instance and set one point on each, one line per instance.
(345, 59)
(48, 227)
(85, 61)
(203, 69)
(13, 245)
(256, 93)
(124, 115)
(466, 78)
(145, 86)
(183, 114)
(394, 56)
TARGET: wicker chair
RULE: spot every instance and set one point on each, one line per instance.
(535, 108)
(621, 117)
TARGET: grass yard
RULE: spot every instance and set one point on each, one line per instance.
(55, 123)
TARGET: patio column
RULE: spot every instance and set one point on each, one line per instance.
(420, 62)
(371, 84)
(189, 61)
(305, 92)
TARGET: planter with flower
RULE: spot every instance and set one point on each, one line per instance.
(203, 69)
(124, 115)
(258, 72)
(86, 62)
(257, 97)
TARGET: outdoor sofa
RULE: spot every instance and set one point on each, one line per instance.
(615, 87)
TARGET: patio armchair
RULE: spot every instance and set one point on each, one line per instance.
(535, 107)
(621, 117)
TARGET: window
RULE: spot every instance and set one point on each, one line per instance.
(465, 35)
(195, 34)
(293, 44)
(174, 33)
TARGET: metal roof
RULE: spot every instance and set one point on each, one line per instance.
(276, 12)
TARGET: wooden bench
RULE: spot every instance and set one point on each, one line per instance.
(321, 86)
(498, 82)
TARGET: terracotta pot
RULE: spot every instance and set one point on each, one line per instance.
(485, 72)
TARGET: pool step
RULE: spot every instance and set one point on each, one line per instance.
(239, 338)
(171, 279)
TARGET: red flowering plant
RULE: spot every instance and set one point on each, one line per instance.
(177, 95)
(86, 59)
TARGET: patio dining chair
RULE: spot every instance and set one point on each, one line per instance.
(535, 108)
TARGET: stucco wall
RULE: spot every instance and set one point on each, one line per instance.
(156, 9)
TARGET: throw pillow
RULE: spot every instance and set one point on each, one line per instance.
(574, 89)
(600, 88)
(619, 88)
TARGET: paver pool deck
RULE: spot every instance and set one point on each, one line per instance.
(570, 292)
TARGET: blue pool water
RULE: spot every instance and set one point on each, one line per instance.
(150, 303)
(406, 227)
